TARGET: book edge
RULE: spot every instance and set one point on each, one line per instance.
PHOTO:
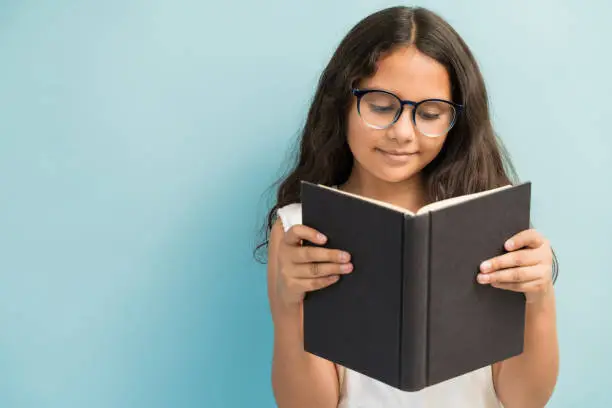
(449, 202)
(400, 376)
(363, 198)
(434, 206)
(415, 286)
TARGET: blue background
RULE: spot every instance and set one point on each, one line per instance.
(136, 141)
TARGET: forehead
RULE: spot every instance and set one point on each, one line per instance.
(410, 74)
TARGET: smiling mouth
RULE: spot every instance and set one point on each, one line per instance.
(396, 153)
(396, 158)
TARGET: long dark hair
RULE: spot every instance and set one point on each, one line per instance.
(472, 159)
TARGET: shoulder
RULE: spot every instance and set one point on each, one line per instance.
(290, 215)
(286, 217)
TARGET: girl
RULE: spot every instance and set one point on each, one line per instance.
(401, 114)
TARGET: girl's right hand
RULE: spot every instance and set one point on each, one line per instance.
(303, 269)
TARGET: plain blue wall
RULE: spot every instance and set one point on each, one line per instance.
(137, 138)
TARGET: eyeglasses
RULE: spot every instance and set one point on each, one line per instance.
(381, 109)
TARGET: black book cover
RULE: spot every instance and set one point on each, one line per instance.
(411, 314)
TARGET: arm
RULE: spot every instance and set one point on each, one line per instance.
(528, 380)
(299, 379)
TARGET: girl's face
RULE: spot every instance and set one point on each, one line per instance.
(400, 151)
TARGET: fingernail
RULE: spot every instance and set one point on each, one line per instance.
(346, 267)
(344, 257)
(509, 245)
(321, 237)
(483, 278)
(485, 266)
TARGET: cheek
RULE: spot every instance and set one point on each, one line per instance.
(431, 147)
(360, 138)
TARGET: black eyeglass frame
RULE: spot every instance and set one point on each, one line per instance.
(359, 93)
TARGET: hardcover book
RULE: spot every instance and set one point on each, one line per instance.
(411, 314)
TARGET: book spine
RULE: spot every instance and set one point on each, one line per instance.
(415, 295)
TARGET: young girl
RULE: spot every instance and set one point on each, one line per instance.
(401, 114)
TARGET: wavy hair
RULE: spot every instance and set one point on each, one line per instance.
(472, 159)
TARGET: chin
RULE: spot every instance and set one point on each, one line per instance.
(396, 175)
(390, 172)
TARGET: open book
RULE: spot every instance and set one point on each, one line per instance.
(411, 314)
(426, 208)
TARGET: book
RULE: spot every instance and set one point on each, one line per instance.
(412, 314)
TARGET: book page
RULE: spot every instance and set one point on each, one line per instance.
(456, 200)
(371, 200)
(427, 208)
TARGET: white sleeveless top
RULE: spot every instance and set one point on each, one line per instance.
(471, 390)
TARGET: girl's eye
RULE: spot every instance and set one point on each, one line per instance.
(382, 109)
(429, 115)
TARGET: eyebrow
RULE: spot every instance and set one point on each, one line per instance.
(396, 93)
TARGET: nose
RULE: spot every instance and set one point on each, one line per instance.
(403, 130)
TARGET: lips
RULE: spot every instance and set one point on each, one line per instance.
(395, 157)
(396, 153)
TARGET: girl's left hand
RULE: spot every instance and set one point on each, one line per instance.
(527, 267)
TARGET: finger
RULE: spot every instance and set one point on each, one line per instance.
(316, 270)
(512, 275)
(299, 232)
(310, 254)
(523, 257)
(320, 283)
(307, 285)
(525, 287)
(527, 238)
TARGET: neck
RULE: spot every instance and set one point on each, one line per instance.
(408, 194)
